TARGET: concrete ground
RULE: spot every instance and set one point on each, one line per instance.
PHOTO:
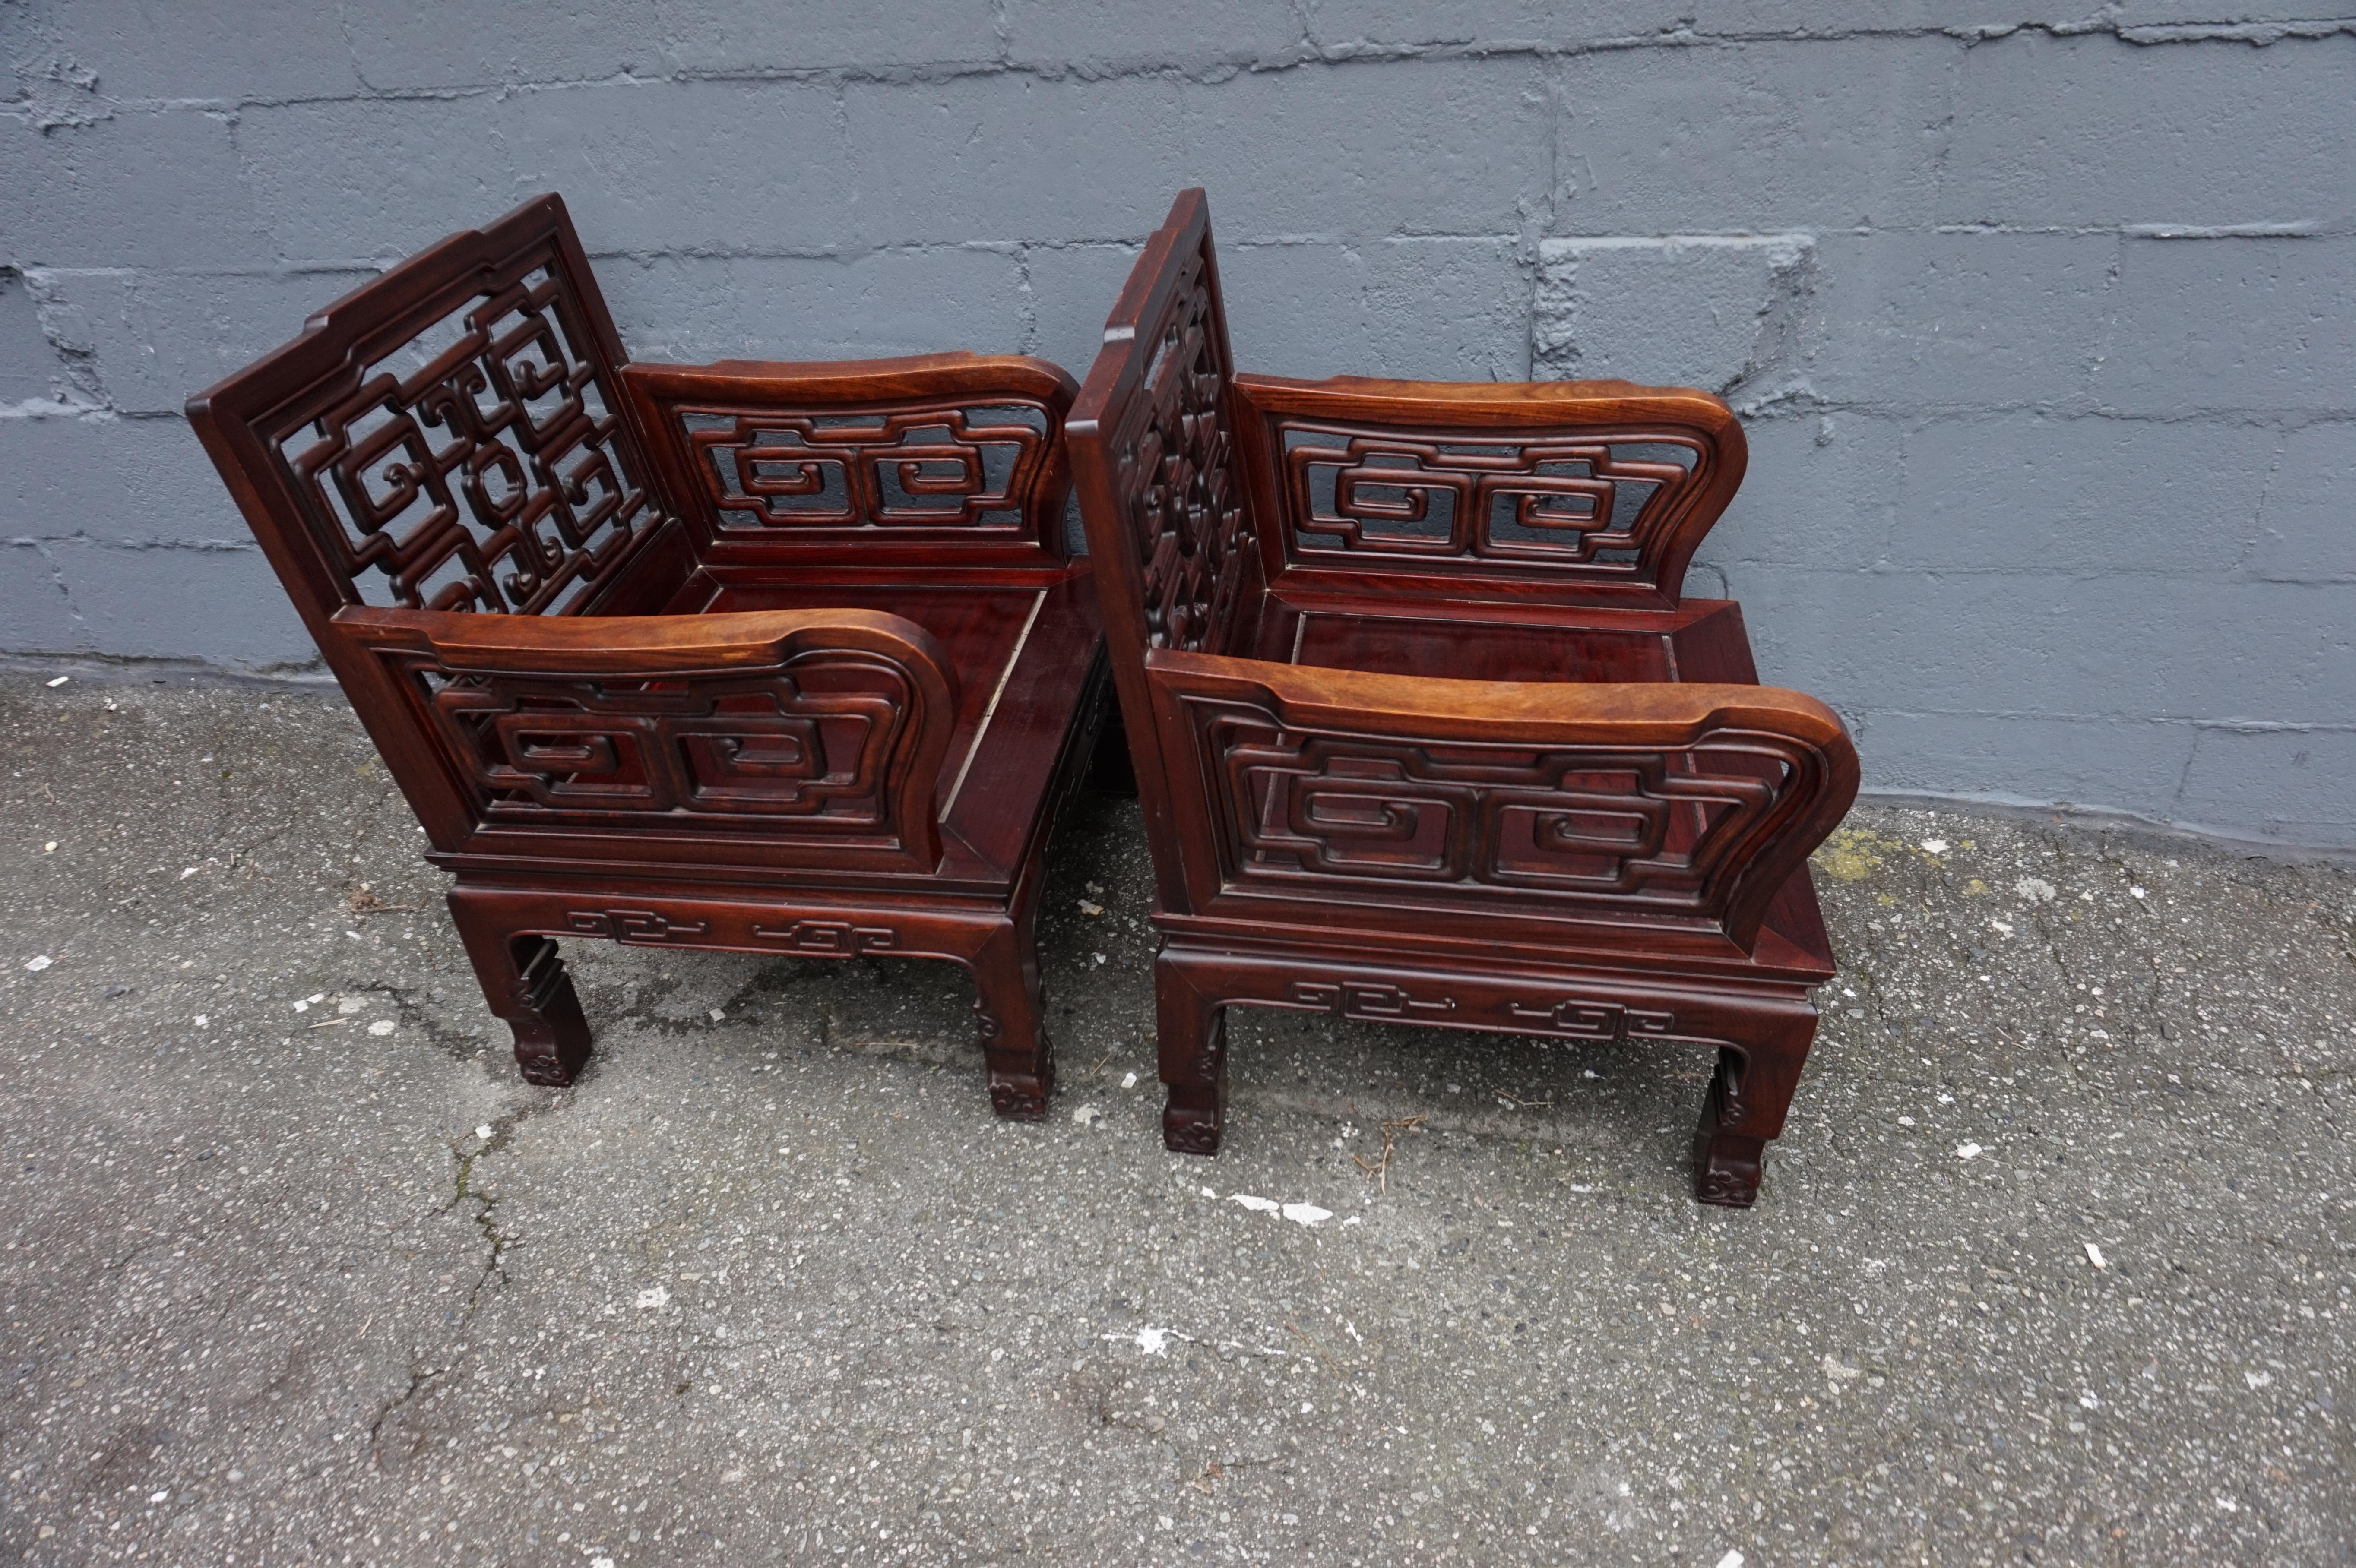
(296, 1270)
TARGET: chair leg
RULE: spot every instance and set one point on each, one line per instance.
(524, 982)
(1744, 1109)
(1014, 1044)
(1193, 1059)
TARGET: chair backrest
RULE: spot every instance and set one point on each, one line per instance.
(1153, 451)
(1151, 438)
(449, 436)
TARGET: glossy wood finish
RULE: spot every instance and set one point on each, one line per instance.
(1423, 729)
(766, 657)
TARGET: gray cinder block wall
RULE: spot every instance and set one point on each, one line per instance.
(2043, 318)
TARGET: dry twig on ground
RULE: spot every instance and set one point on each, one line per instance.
(1380, 1170)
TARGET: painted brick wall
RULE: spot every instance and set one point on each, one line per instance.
(2043, 318)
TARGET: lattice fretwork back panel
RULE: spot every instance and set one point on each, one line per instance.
(1175, 473)
(478, 464)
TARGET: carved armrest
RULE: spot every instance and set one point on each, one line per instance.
(1599, 489)
(882, 462)
(1646, 799)
(823, 727)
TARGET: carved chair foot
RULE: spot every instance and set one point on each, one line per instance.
(1193, 1048)
(1021, 1096)
(1190, 1128)
(1727, 1169)
(1011, 1012)
(1727, 1164)
(552, 1037)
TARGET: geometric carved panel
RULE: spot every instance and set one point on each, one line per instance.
(1591, 506)
(1175, 475)
(478, 467)
(932, 464)
(814, 743)
(1653, 829)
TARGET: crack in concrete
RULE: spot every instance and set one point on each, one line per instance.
(411, 1005)
(1198, 67)
(503, 1127)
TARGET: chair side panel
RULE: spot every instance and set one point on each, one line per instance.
(1697, 831)
(1588, 492)
(948, 459)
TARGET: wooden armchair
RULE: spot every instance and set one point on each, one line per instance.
(770, 657)
(1422, 730)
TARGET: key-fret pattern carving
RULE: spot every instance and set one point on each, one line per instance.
(635, 926)
(936, 464)
(480, 465)
(1660, 830)
(821, 748)
(1592, 508)
(1176, 475)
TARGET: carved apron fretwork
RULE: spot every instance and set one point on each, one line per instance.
(1373, 1000)
(1577, 1017)
(831, 938)
(634, 925)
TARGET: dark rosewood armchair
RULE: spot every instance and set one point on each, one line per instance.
(770, 657)
(1422, 730)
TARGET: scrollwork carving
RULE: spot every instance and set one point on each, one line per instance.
(635, 926)
(1378, 1000)
(1576, 1018)
(831, 938)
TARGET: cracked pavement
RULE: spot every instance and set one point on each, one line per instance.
(2052, 1265)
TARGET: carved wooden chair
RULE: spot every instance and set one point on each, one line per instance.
(1422, 730)
(767, 658)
